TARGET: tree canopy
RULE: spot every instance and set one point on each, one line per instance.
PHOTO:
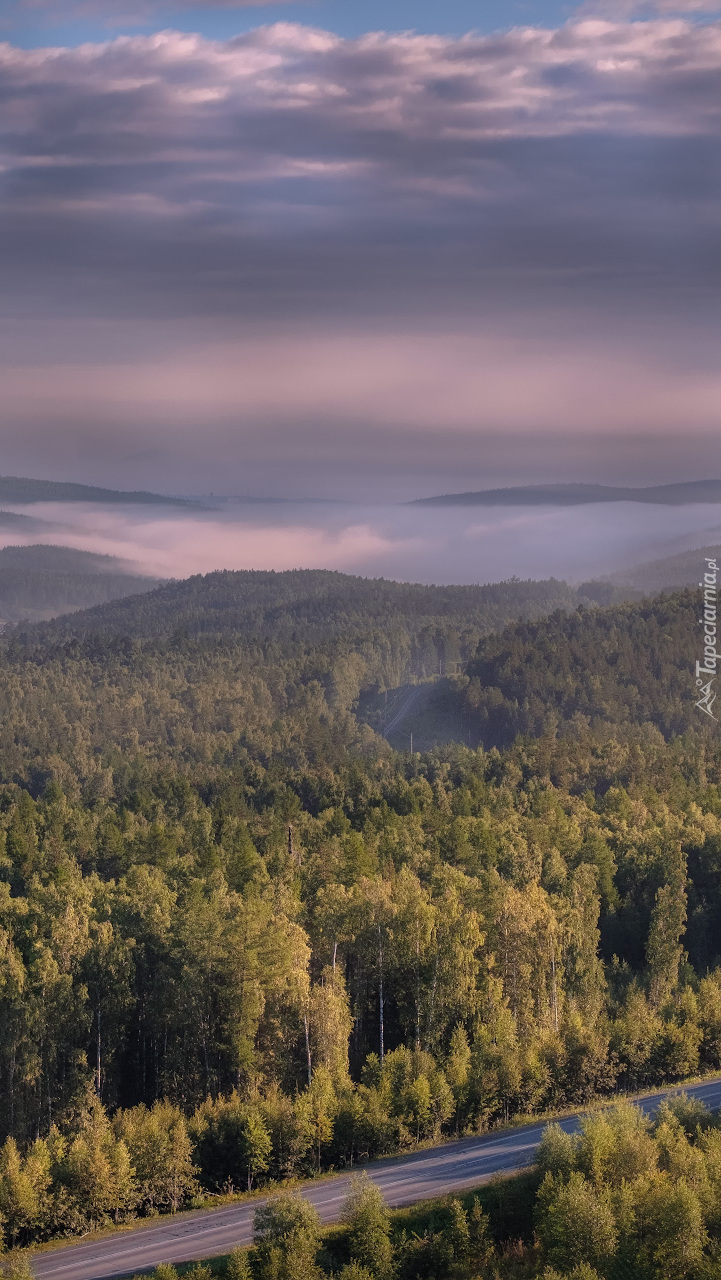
(242, 939)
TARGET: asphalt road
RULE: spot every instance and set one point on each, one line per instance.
(421, 1176)
(400, 714)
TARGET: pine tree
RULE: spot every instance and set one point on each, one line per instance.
(238, 1266)
(480, 1241)
(458, 1236)
(668, 921)
(368, 1225)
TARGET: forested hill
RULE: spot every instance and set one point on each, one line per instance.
(272, 665)
(309, 606)
(24, 489)
(672, 573)
(626, 665)
(41, 581)
(234, 665)
(241, 939)
(562, 495)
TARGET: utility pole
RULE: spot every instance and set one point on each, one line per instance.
(381, 1001)
(411, 742)
(98, 1076)
(293, 854)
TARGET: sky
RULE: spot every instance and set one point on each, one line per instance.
(359, 250)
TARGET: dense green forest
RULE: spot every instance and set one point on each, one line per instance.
(311, 606)
(621, 666)
(599, 668)
(241, 938)
(41, 581)
(264, 662)
(625, 1197)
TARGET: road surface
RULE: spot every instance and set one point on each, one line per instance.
(400, 714)
(421, 1176)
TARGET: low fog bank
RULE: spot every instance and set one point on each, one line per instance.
(407, 544)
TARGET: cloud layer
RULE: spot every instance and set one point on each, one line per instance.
(410, 544)
(290, 168)
(291, 228)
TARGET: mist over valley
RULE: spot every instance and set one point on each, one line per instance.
(410, 543)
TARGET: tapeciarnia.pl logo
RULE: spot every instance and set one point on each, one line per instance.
(706, 671)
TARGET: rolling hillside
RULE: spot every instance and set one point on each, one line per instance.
(22, 489)
(40, 581)
(575, 494)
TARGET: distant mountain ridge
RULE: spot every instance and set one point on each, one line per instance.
(40, 582)
(54, 558)
(24, 524)
(686, 491)
(24, 489)
(672, 573)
